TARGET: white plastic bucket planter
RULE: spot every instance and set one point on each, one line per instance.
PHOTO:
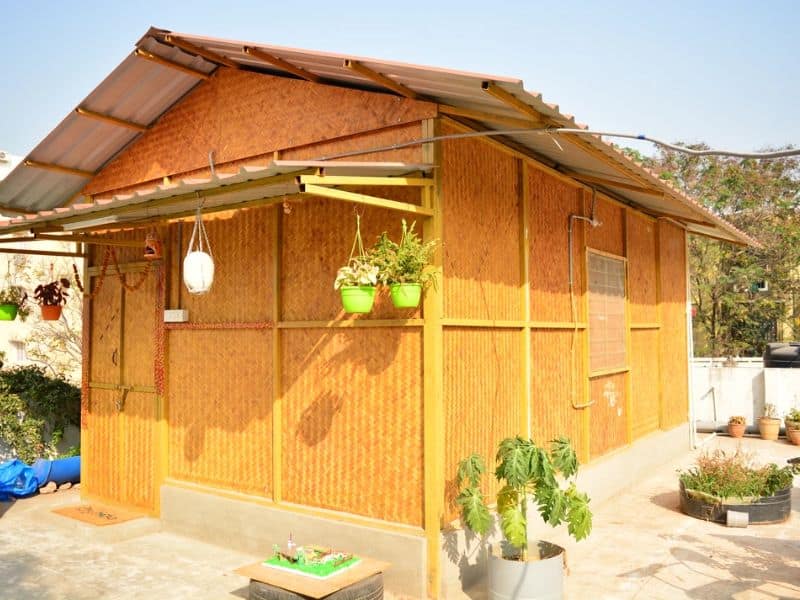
(198, 272)
(198, 265)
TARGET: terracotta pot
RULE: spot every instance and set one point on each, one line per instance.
(51, 313)
(769, 428)
(793, 435)
(736, 429)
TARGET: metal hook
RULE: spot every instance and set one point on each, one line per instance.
(211, 163)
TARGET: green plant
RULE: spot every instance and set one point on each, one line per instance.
(737, 420)
(405, 262)
(527, 470)
(35, 409)
(721, 475)
(16, 295)
(793, 415)
(53, 293)
(358, 271)
(770, 412)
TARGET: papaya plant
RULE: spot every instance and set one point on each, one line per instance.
(528, 471)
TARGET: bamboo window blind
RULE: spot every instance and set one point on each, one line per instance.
(606, 312)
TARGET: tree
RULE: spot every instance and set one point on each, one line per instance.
(743, 297)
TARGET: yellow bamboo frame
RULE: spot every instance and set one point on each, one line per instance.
(90, 114)
(337, 194)
(35, 164)
(170, 64)
(280, 63)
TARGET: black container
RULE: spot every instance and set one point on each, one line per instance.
(770, 509)
(782, 355)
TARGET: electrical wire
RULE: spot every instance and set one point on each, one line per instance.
(567, 131)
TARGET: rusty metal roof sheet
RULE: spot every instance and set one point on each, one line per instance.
(139, 91)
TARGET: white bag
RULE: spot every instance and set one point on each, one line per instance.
(198, 265)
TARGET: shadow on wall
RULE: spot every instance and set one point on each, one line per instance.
(469, 552)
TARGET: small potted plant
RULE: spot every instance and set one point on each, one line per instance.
(52, 297)
(792, 421)
(403, 266)
(769, 425)
(13, 302)
(736, 426)
(356, 283)
(528, 471)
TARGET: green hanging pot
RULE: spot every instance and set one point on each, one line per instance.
(406, 295)
(8, 312)
(357, 298)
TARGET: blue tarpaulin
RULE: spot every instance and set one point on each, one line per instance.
(17, 480)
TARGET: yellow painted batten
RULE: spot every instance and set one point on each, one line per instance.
(628, 338)
(525, 298)
(336, 194)
(277, 360)
(380, 79)
(645, 326)
(280, 63)
(174, 40)
(349, 324)
(35, 164)
(90, 114)
(479, 115)
(607, 372)
(381, 181)
(170, 64)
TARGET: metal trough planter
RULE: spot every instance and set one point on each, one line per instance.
(768, 509)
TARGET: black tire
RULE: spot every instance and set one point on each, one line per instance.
(370, 588)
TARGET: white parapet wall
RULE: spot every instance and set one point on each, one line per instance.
(722, 388)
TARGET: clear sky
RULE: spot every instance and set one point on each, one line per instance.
(724, 72)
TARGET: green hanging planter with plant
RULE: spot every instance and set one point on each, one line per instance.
(13, 302)
(406, 295)
(356, 280)
(404, 266)
(8, 312)
(357, 298)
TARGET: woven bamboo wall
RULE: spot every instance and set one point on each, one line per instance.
(642, 287)
(139, 325)
(644, 381)
(558, 377)
(243, 271)
(136, 464)
(480, 197)
(674, 377)
(317, 238)
(608, 414)
(104, 337)
(103, 454)
(352, 433)
(220, 408)
(481, 398)
(609, 235)
(551, 202)
(240, 115)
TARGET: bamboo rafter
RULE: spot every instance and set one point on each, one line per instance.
(280, 63)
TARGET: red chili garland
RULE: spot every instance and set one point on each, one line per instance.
(109, 255)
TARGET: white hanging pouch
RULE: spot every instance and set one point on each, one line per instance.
(198, 265)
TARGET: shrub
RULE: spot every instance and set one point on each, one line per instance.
(723, 475)
(35, 409)
(737, 420)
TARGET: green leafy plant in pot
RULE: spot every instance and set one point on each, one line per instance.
(792, 420)
(52, 297)
(356, 280)
(13, 302)
(528, 472)
(404, 266)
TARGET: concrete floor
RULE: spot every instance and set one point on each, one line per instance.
(641, 547)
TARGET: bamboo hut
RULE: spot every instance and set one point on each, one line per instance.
(561, 307)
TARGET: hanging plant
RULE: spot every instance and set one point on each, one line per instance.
(198, 265)
(356, 280)
(52, 297)
(13, 302)
(404, 266)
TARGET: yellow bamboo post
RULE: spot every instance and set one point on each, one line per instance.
(659, 332)
(628, 334)
(277, 360)
(525, 298)
(86, 374)
(433, 383)
(586, 413)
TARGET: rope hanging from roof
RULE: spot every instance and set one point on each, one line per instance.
(109, 256)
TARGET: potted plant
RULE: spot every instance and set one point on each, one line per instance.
(769, 425)
(721, 481)
(792, 421)
(528, 472)
(51, 297)
(403, 266)
(736, 426)
(13, 302)
(356, 283)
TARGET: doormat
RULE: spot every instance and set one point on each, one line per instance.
(97, 514)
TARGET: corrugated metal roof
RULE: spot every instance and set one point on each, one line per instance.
(249, 183)
(140, 91)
